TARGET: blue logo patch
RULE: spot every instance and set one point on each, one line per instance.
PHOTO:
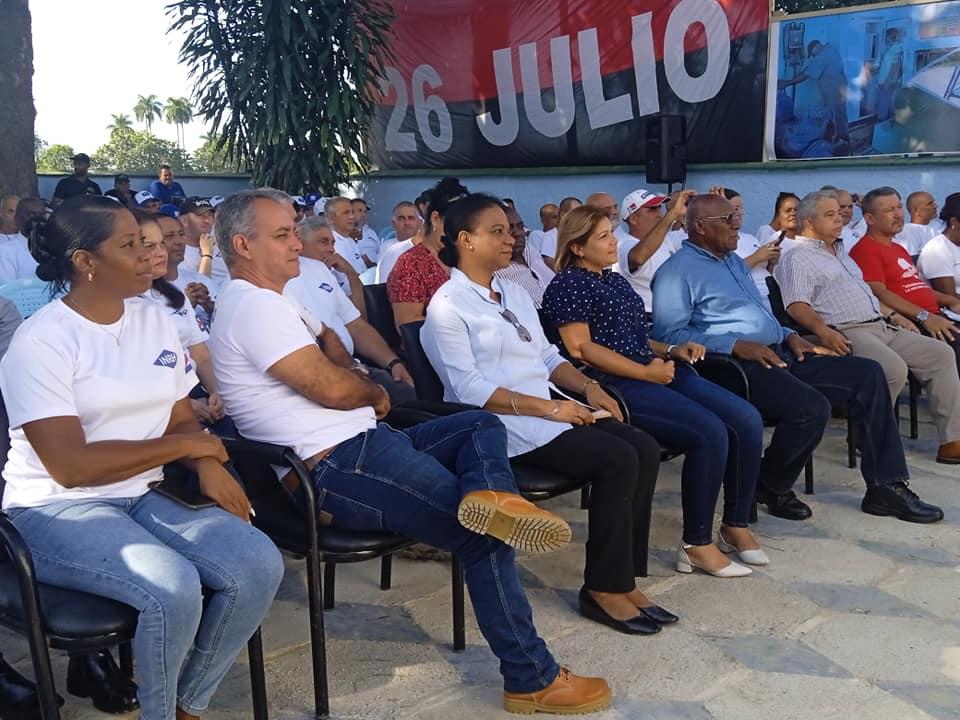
(167, 358)
(326, 286)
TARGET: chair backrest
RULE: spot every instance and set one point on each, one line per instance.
(380, 314)
(28, 294)
(425, 378)
(776, 304)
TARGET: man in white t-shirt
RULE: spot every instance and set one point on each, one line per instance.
(340, 214)
(919, 231)
(8, 212)
(287, 379)
(199, 289)
(16, 262)
(549, 219)
(369, 242)
(318, 244)
(651, 238)
(548, 241)
(201, 253)
(406, 221)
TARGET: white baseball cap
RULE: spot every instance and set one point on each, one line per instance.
(639, 198)
(216, 200)
(143, 196)
(320, 205)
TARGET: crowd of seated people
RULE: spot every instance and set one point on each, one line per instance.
(245, 315)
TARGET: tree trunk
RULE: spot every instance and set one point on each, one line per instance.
(18, 169)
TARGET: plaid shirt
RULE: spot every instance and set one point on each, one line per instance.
(831, 284)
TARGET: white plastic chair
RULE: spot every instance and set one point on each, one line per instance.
(28, 294)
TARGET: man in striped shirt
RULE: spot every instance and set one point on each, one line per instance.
(526, 266)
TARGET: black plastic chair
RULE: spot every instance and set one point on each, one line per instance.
(380, 314)
(298, 534)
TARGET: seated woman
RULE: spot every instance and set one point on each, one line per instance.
(603, 322)
(419, 272)
(483, 337)
(785, 220)
(207, 405)
(96, 392)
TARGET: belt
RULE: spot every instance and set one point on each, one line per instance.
(291, 481)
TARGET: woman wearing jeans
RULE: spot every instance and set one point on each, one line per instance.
(602, 322)
(483, 337)
(96, 391)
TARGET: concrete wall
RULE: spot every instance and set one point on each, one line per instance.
(200, 185)
(759, 184)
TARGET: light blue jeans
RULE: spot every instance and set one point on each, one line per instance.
(154, 554)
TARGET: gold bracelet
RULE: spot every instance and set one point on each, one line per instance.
(513, 403)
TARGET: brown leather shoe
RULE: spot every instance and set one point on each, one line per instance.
(513, 520)
(949, 453)
(569, 694)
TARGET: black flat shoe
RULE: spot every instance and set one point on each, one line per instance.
(97, 676)
(900, 501)
(18, 696)
(658, 615)
(786, 505)
(639, 625)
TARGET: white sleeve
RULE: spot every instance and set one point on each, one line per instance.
(345, 308)
(36, 379)
(369, 245)
(935, 261)
(764, 233)
(194, 335)
(548, 247)
(270, 330)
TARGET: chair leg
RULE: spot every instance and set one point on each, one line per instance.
(914, 398)
(318, 639)
(126, 659)
(459, 622)
(330, 584)
(43, 673)
(258, 680)
(584, 497)
(808, 477)
(386, 572)
(851, 446)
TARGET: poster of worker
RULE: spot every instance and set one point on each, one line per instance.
(881, 81)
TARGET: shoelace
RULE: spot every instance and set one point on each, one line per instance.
(903, 490)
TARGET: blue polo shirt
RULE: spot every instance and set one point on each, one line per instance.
(710, 300)
(167, 195)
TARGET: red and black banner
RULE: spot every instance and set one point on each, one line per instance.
(502, 83)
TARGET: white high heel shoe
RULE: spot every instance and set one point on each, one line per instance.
(751, 557)
(686, 565)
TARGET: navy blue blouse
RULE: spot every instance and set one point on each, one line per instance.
(605, 301)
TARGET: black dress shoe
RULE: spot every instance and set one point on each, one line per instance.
(658, 614)
(899, 500)
(18, 696)
(786, 505)
(639, 625)
(95, 675)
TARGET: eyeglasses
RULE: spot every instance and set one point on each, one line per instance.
(729, 218)
(522, 332)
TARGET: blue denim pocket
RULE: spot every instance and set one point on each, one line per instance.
(348, 513)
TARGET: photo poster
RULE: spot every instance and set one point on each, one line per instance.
(881, 81)
(505, 84)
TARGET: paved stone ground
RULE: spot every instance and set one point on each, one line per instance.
(856, 617)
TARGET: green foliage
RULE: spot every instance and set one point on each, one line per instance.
(132, 151)
(287, 84)
(147, 109)
(178, 112)
(208, 159)
(55, 158)
(39, 145)
(120, 121)
(802, 6)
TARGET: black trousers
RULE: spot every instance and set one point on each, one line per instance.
(621, 462)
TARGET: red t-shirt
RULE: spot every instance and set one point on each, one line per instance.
(891, 265)
(416, 277)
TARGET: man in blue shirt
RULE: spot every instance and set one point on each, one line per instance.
(705, 294)
(167, 190)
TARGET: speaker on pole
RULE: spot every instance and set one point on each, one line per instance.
(667, 149)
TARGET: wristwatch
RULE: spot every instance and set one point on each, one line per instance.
(922, 316)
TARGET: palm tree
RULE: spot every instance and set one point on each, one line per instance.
(178, 112)
(121, 121)
(147, 108)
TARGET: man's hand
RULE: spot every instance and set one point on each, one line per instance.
(197, 294)
(717, 190)
(677, 208)
(401, 374)
(758, 353)
(800, 346)
(904, 323)
(336, 261)
(202, 412)
(206, 244)
(660, 371)
(382, 406)
(597, 397)
(835, 340)
(218, 485)
(215, 407)
(940, 328)
(690, 352)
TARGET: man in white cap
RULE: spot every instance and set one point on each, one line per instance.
(651, 237)
(146, 201)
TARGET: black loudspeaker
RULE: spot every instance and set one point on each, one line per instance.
(667, 149)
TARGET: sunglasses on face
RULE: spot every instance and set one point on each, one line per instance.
(522, 332)
(729, 218)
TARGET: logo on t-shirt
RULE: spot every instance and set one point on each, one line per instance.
(167, 358)
(325, 286)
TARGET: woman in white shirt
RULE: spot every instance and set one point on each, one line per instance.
(785, 219)
(96, 392)
(483, 337)
(940, 258)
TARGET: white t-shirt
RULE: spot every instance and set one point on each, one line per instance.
(61, 364)
(642, 277)
(369, 243)
(850, 235)
(913, 237)
(747, 245)
(389, 259)
(255, 329)
(940, 258)
(535, 240)
(191, 261)
(347, 249)
(187, 328)
(316, 289)
(548, 244)
(764, 234)
(16, 262)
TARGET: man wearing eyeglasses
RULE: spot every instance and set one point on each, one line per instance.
(704, 293)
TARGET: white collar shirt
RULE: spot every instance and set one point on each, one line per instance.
(347, 249)
(534, 276)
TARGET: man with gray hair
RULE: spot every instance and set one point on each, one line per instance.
(287, 379)
(341, 215)
(824, 292)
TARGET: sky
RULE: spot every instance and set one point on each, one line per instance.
(92, 59)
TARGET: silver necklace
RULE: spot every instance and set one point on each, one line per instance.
(73, 304)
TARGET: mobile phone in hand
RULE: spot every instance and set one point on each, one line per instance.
(601, 414)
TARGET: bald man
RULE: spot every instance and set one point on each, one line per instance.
(8, 211)
(921, 229)
(549, 219)
(548, 246)
(705, 294)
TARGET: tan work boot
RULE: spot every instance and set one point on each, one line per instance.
(513, 520)
(569, 694)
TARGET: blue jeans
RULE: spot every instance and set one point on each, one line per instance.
(154, 554)
(411, 483)
(721, 436)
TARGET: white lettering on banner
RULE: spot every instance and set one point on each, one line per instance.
(556, 122)
(645, 64)
(394, 140)
(601, 112)
(424, 107)
(504, 132)
(710, 15)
